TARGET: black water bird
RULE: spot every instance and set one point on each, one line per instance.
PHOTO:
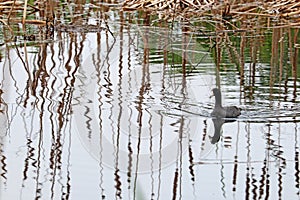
(223, 112)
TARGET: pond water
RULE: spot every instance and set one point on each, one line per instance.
(124, 113)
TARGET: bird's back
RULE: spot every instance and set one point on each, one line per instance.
(232, 111)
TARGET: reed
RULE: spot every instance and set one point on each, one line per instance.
(274, 13)
(222, 23)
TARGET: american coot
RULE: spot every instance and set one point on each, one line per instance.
(220, 111)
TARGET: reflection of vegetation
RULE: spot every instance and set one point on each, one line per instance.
(241, 37)
(261, 56)
(239, 48)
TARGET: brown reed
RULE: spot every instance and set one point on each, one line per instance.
(281, 13)
(10, 9)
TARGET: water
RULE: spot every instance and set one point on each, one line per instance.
(113, 115)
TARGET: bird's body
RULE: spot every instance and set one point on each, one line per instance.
(224, 112)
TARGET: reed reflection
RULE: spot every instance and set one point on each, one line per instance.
(119, 94)
(3, 133)
(42, 105)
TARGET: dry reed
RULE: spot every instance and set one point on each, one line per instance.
(279, 13)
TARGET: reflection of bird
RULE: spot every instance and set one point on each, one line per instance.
(218, 123)
(220, 111)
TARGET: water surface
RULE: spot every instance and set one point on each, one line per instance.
(123, 112)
